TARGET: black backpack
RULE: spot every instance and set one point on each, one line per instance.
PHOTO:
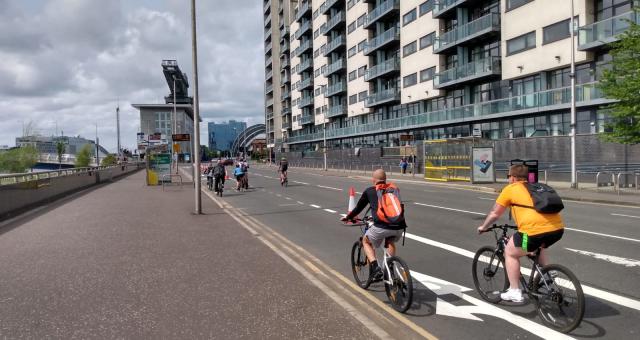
(545, 199)
(218, 171)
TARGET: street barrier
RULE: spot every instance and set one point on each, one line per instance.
(612, 183)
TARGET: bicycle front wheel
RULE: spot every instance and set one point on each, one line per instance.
(489, 275)
(360, 265)
(399, 287)
(560, 300)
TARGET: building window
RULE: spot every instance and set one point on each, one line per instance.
(511, 4)
(361, 45)
(353, 99)
(353, 75)
(409, 49)
(409, 17)
(555, 32)
(360, 20)
(362, 70)
(316, 73)
(351, 27)
(352, 52)
(427, 40)
(323, 69)
(316, 53)
(521, 43)
(316, 33)
(427, 74)
(426, 7)
(410, 80)
(362, 96)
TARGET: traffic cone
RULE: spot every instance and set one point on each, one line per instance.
(352, 199)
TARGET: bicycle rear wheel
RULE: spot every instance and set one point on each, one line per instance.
(400, 288)
(489, 275)
(360, 265)
(560, 300)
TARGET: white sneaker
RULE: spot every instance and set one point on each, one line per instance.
(513, 295)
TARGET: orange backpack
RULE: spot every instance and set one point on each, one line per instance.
(390, 207)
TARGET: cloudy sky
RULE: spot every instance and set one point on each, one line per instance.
(70, 61)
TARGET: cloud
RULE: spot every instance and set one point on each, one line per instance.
(69, 62)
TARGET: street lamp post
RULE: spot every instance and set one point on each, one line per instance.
(573, 99)
(324, 134)
(196, 112)
(174, 127)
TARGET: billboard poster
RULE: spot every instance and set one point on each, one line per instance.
(482, 165)
(160, 164)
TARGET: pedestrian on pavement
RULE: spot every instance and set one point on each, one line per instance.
(403, 165)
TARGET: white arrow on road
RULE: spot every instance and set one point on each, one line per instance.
(442, 287)
(609, 258)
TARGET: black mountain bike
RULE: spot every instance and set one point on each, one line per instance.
(554, 289)
(398, 283)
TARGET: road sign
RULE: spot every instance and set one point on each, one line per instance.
(477, 132)
(406, 138)
(181, 137)
(176, 147)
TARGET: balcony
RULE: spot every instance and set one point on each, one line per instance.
(305, 119)
(269, 102)
(285, 111)
(550, 100)
(384, 39)
(268, 115)
(268, 89)
(324, 9)
(269, 75)
(442, 7)
(302, 48)
(385, 9)
(306, 83)
(285, 63)
(285, 95)
(305, 101)
(267, 6)
(472, 71)
(303, 66)
(285, 79)
(389, 66)
(284, 32)
(336, 43)
(267, 47)
(470, 31)
(382, 97)
(268, 62)
(302, 10)
(605, 31)
(284, 47)
(302, 30)
(267, 33)
(286, 125)
(335, 67)
(337, 110)
(339, 18)
(336, 88)
(267, 20)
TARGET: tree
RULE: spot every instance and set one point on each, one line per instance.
(83, 157)
(109, 159)
(18, 160)
(622, 82)
(60, 148)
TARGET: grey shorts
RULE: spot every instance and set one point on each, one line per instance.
(377, 235)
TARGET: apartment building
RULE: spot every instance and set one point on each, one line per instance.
(372, 71)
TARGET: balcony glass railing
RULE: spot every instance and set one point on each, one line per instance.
(303, 47)
(337, 110)
(285, 111)
(302, 30)
(268, 89)
(306, 119)
(267, 33)
(284, 47)
(474, 70)
(382, 39)
(534, 102)
(472, 29)
(285, 95)
(327, 5)
(285, 63)
(306, 83)
(333, 22)
(267, 6)
(270, 102)
(334, 44)
(269, 74)
(268, 46)
(304, 65)
(302, 9)
(336, 88)
(305, 101)
(286, 125)
(383, 96)
(336, 66)
(284, 32)
(285, 79)
(390, 65)
(605, 31)
(268, 61)
(380, 11)
(442, 6)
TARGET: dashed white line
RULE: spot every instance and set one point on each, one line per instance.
(623, 215)
(288, 198)
(331, 211)
(330, 188)
(609, 258)
(315, 206)
(278, 195)
(452, 209)
(303, 183)
(300, 202)
(486, 198)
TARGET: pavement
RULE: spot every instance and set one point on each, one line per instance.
(587, 192)
(129, 261)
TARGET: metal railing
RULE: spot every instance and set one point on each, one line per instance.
(475, 28)
(336, 66)
(380, 11)
(34, 176)
(380, 40)
(390, 65)
(336, 88)
(605, 31)
(442, 6)
(333, 22)
(334, 44)
(383, 96)
(473, 70)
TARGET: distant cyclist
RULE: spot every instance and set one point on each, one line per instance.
(282, 168)
(384, 229)
(209, 172)
(239, 176)
(535, 230)
(245, 169)
(219, 173)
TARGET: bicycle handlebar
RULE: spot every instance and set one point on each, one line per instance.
(504, 227)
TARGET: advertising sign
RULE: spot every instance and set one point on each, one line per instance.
(482, 165)
(181, 137)
(160, 164)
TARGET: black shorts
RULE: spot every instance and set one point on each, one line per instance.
(531, 243)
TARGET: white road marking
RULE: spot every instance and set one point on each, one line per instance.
(278, 195)
(595, 292)
(625, 215)
(442, 287)
(331, 211)
(487, 198)
(299, 202)
(287, 204)
(315, 206)
(452, 209)
(609, 258)
(303, 183)
(330, 188)
(288, 198)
